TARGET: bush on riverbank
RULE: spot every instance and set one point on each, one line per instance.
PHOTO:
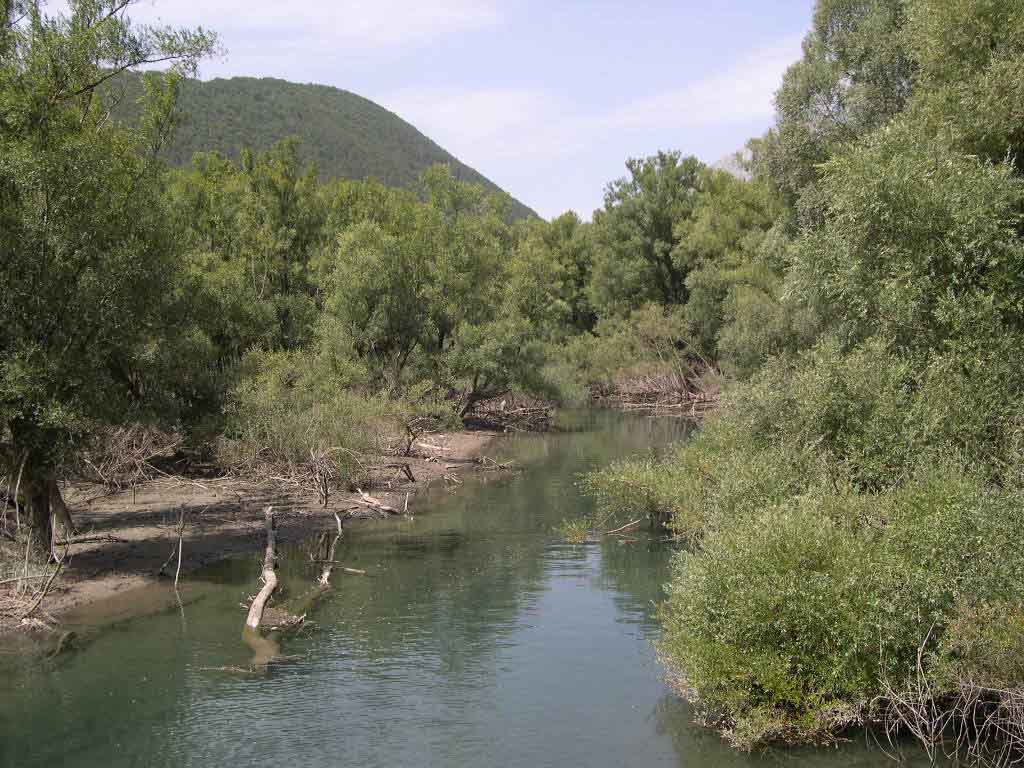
(285, 412)
(853, 512)
(790, 622)
(294, 411)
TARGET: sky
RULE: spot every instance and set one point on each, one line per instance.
(547, 99)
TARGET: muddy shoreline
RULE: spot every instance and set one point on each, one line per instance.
(125, 537)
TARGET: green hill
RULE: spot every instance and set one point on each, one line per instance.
(346, 135)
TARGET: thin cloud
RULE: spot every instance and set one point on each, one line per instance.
(492, 123)
(504, 131)
(325, 25)
(741, 93)
(502, 121)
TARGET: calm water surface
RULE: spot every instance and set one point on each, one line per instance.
(480, 639)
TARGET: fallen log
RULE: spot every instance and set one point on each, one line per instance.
(343, 569)
(625, 527)
(259, 602)
(431, 446)
(405, 469)
(105, 539)
(490, 465)
(25, 578)
(42, 593)
(370, 501)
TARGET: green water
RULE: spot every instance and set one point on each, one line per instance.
(478, 639)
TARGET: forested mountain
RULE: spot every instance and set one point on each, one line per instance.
(346, 135)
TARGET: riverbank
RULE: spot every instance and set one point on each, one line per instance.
(124, 538)
(443, 654)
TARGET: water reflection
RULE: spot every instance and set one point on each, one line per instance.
(477, 639)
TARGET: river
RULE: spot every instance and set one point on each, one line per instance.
(477, 639)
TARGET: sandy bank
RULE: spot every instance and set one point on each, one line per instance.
(125, 537)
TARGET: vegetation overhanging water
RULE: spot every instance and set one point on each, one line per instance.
(479, 638)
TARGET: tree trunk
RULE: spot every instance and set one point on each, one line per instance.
(60, 515)
(471, 400)
(36, 518)
(472, 397)
(255, 616)
(45, 517)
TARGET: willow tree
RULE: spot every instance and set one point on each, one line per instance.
(855, 74)
(84, 250)
(636, 234)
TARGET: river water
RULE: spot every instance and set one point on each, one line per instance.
(477, 639)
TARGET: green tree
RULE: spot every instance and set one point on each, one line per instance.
(855, 74)
(970, 76)
(438, 291)
(377, 296)
(635, 259)
(848, 504)
(501, 349)
(85, 257)
(918, 244)
(721, 246)
(471, 242)
(570, 244)
(280, 229)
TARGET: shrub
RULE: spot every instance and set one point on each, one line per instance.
(650, 341)
(787, 623)
(286, 411)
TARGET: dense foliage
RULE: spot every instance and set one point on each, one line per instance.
(266, 315)
(86, 256)
(852, 513)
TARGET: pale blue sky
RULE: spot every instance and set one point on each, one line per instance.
(547, 99)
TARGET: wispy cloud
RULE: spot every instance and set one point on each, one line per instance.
(501, 121)
(739, 93)
(493, 82)
(325, 25)
(487, 122)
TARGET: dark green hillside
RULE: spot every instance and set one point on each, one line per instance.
(346, 135)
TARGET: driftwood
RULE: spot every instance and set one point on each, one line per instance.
(431, 446)
(181, 534)
(490, 465)
(509, 414)
(969, 723)
(672, 393)
(374, 503)
(176, 549)
(320, 474)
(42, 593)
(25, 578)
(325, 574)
(259, 602)
(122, 457)
(405, 469)
(342, 568)
(105, 539)
(413, 429)
(626, 527)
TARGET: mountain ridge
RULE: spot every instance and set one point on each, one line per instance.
(346, 135)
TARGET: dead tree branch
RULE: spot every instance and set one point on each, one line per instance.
(259, 602)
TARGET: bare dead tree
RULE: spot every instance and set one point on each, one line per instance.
(269, 574)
